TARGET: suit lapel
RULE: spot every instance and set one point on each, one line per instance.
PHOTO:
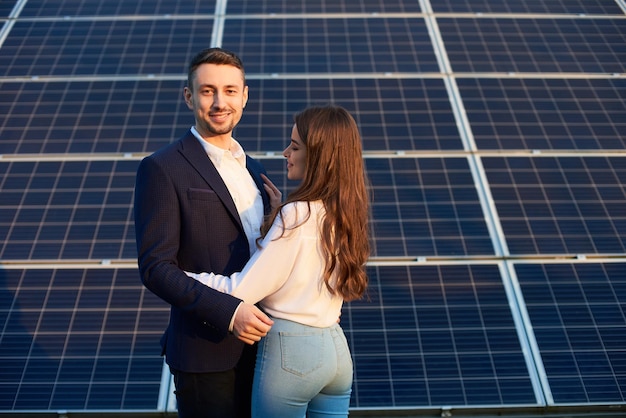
(255, 171)
(193, 152)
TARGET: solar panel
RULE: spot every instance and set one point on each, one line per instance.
(324, 6)
(564, 205)
(61, 8)
(71, 47)
(345, 45)
(436, 335)
(393, 114)
(83, 210)
(144, 115)
(425, 207)
(546, 114)
(92, 117)
(79, 339)
(531, 6)
(6, 7)
(494, 143)
(534, 45)
(67, 210)
(577, 312)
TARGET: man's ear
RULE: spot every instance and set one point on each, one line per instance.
(188, 96)
(245, 96)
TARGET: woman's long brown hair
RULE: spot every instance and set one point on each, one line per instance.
(335, 175)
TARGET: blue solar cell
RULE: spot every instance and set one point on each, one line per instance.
(574, 309)
(124, 126)
(72, 332)
(298, 7)
(543, 117)
(104, 47)
(82, 212)
(456, 339)
(331, 45)
(525, 223)
(413, 206)
(6, 7)
(534, 45)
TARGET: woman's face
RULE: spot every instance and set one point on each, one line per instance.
(295, 154)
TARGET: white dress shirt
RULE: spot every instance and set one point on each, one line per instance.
(285, 275)
(231, 165)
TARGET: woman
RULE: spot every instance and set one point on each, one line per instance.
(312, 257)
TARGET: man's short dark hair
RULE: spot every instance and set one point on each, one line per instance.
(218, 56)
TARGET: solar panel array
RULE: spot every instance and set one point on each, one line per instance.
(494, 136)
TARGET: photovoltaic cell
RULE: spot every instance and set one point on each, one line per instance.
(429, 333)
(392, 114)
(577, 313)
(341, 45)
(83, 210)
(79, 339)
(142, 116)
(48, 8)
(407, 196)
(546, 114)
(87, 117)
(6, 7)
(102, 47)
(560, 205)
(324, 6)
(436, 336)
(535, 45)
(423, 207)
(529, 6)
(67, 210)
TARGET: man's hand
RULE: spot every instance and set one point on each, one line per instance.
(251, 324)
(276, 197)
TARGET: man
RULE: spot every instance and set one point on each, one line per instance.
(199, 204)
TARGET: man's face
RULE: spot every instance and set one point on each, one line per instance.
(217, 99)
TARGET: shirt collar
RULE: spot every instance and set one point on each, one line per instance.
(216, 154)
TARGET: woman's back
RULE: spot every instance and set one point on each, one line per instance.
(288, 271)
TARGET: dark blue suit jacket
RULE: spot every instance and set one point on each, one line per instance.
(185, 219)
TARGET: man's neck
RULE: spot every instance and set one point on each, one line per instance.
(220, 141)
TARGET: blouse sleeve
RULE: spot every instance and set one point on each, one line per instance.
(270, 266)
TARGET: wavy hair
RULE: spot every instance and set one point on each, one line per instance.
(335, 175)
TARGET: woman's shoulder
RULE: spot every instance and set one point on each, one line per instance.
(300, 211)
(303, 206)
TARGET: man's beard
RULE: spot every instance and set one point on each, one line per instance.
(220, 130)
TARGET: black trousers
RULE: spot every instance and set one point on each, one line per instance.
(224, 394)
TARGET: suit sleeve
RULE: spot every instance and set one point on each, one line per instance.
(158, 230)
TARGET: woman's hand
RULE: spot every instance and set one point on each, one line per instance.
(276, 197)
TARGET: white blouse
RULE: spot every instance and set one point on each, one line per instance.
(285, 275)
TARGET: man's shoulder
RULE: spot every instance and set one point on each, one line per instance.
(173, 148)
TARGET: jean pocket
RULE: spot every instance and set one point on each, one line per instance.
(301, 353)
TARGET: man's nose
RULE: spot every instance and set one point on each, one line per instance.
(217, 100)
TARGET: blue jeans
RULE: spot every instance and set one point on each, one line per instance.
(302, 371)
